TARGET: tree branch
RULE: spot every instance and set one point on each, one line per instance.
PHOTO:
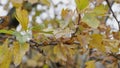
(113, 13)
(35, 45)
(111, 4)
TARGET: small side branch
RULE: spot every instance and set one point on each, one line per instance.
(77, 28)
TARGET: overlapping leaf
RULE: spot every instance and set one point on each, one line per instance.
(22, 17)
(58, 52)
(81, 4)
(6, 55)
(100, 10)
(19, 51)
(90, 64)
(91, 20)
(21, 38)
(96, 42)
(17, 3)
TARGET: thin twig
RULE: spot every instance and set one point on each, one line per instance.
(79, 18)
(112, 13)
(111, 4)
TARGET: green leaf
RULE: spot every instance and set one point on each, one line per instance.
(45, 66)
(91, 20)
(100, 10)
(81, 4)
(21, 38)
(7, 31)
(38, 27)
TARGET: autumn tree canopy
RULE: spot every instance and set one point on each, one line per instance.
(78, 38)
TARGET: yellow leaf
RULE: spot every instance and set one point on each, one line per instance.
(5, 55)
(58, 51)
(6, 60)
(16, 53)
(46, 66)
(3, 49)
(64, 13)
(67, 14)
(46, 2)
(17, 3)
(90, 64)
(115, 49)
(33, 1)
(96, 42)
(19, 51)
(22, 17)
(113, 45)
